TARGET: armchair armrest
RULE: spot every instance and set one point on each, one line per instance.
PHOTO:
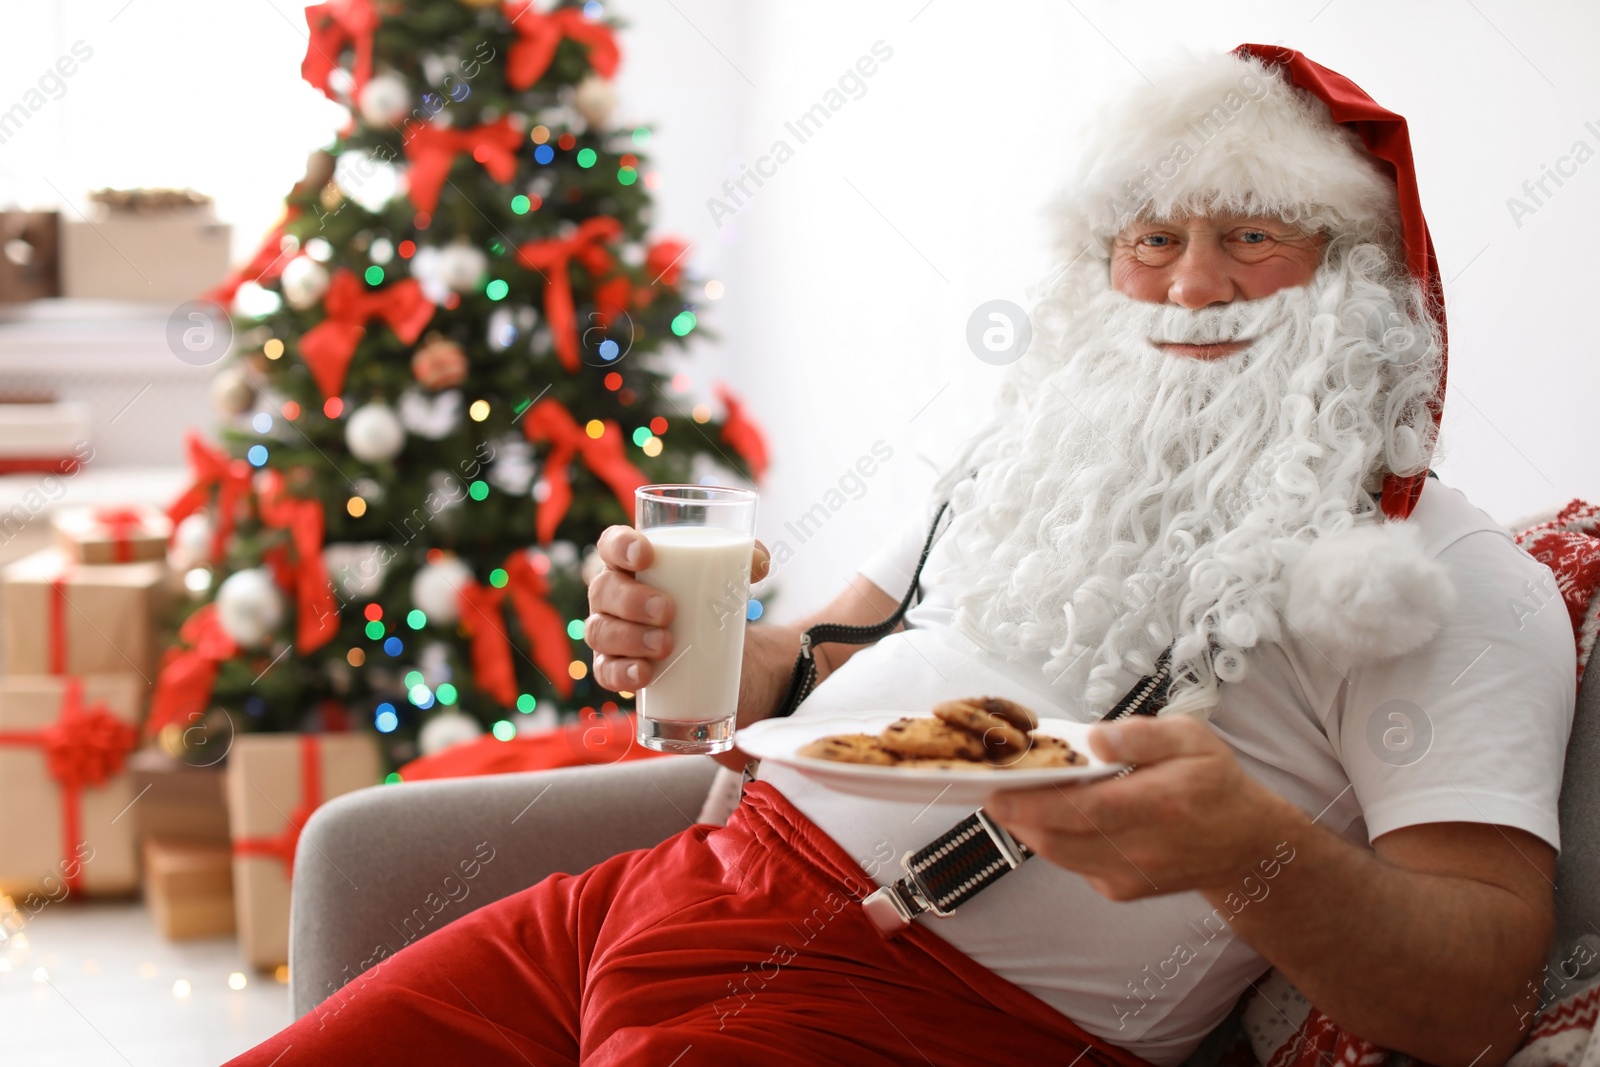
(378, 868)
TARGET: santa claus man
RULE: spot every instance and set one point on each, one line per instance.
(1212, 463)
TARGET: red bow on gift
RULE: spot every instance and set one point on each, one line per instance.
(549, 421)
(742, 433)
(212, 469)
(329, 346)
(432, 149)
(531, 56)
(283, 844)
(83, 748)
(492, 668)
(183, 687)
(334, 25)
(120, 525)
(551, 259)
(316, 610)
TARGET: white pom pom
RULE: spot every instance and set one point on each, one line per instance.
(249, 606)
(436, 589)
(1368, 594)
(445, 729)
(374, 433)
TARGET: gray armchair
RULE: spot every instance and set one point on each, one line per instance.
(382, 866)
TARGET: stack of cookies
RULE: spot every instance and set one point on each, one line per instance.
(973, 733)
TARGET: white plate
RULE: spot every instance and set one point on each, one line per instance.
(778, 741)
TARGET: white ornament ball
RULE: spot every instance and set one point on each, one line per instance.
(461, 266)
(384, 100)
(595, 100)
(355, 567)
(445, 729)
(436, 589)
(374, 433)
(433, 417)
(249, 606)
(231, 392)
(191, 542)
(304, 280)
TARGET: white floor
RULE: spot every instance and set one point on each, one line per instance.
(95, 983)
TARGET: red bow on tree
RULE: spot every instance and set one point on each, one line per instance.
(334, 25)
(742, 433)
(664, 261)
(212, 469)
(83, 748)
(492, 668)
(267, 263)
(531, 56)
(432, 149)
(285, 843)
(316, 610)
(329, 346)
(183, 688)
(618, 294)
(551, 259)
(549, 421)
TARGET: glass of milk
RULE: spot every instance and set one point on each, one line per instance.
(702, 537)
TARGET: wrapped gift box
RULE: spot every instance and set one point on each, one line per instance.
(274, 782)
(64, 618)
(167, 256)
(118, 534)
(188, 887)
(42, 436)
(64, 784)
(178, 802)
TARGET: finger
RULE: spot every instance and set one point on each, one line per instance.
(612, 636)
(760, 563)
(619, 593)
(1052, 810)
(624, 548)
(621, 674)
(1145, 740)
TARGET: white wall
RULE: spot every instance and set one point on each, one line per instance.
(851, 273)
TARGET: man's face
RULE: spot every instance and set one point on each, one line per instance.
(1198, 261)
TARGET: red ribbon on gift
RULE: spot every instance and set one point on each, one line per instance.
(120, 524)
(432, 150)
(539, 34)
(549, 421)
(283, 844)
(742, 433)
(329, 346)
(316, 609)
(333, 26)
(187, 675)
(551, 259)
(212, 469)
(493, 671)
(83, 749)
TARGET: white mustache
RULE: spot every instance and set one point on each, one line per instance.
(1241, 320)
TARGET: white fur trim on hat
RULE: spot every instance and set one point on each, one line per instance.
(1226, 133)
(1367, 594)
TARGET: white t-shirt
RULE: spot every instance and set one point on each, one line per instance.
(1483, 715)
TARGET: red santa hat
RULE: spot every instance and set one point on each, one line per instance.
(1265, 131)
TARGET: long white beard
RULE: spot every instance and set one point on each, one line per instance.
(1126, 499)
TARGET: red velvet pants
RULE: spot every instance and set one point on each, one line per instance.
(734, 945)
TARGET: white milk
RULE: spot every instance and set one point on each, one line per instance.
(706, 572)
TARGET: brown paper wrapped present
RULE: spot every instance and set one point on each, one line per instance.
(275, 782)
(188, 887)
(65, 618)
(64, 785)
(122, 534)
(178, 802)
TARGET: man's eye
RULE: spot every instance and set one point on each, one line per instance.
(1253, 237)
(1155, 240)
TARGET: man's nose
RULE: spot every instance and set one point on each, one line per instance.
(1200, 278)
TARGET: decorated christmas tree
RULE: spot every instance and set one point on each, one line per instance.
(452, 365)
